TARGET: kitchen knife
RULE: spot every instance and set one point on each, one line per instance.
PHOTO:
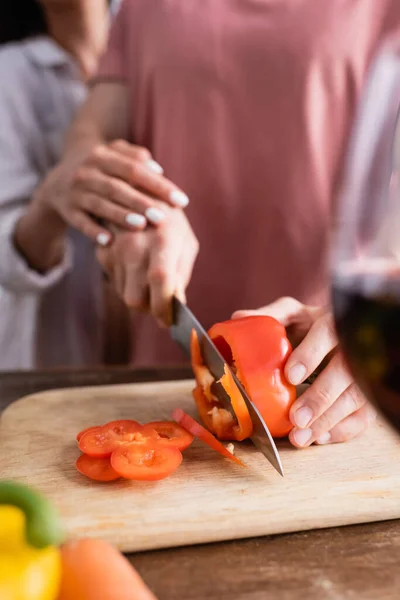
(184, 322)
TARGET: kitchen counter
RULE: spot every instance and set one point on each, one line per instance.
(356, 562)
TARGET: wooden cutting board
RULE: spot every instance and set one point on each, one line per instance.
(208, 498)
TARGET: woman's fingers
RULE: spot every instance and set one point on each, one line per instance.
(283, 310)
(112, 213)
(141, 207)
(349, 402)
(352, 426)
(83, 223)
(138, 153)
(137, 174)
(309, 354)
(321, 394)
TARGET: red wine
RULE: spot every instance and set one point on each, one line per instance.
(367, 313)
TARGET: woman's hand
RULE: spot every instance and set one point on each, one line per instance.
(149, 267)
(332, 409)
(119, 183)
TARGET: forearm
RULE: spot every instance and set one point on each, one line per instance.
(103, 118)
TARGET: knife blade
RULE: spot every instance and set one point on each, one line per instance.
(184, 322)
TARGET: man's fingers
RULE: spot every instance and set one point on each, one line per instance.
(135, 266)
(119, 280)
(162, 273)
(136, 288)
(187, 259)
(352, 426)
(317, 344)
(321, 394)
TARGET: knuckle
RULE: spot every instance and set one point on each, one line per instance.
(323, 424)
(161, 188)
(97, 152)
(345, 436)
(118, 144)
(321, 399)
(111, 187)
(135, 169)
(133, 245)
(142, 153)
(157, 274)
(353, 398)
(80, 176)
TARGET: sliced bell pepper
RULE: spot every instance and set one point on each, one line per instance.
(256, 348)
(215, 418)
(30, 562)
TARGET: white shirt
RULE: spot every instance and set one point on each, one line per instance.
(52, 319)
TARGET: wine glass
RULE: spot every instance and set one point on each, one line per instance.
(366, 240)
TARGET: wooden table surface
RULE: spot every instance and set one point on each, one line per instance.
(358, 562)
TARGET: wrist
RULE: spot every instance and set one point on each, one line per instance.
(40, 237)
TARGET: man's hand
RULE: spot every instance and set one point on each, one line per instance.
(332, 409)
(148, 267)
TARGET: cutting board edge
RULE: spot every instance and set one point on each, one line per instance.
(200, 539)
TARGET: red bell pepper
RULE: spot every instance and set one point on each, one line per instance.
(256, 348)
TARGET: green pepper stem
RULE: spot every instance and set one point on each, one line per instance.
(42, 522)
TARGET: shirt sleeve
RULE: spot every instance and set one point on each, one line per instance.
(19, 177)
(112, 65)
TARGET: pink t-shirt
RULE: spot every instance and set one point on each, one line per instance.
(247, 105)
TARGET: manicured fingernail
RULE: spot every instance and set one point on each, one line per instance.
(154, 215)
(135, 220)
(179, 198)
(297, 374)
(324, 438)
(302, 436)
(303, 416)
(154, 166)
(103, 239)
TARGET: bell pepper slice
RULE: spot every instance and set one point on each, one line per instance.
(98, 469)
(146, 462)
(102, 441)
(203, 434)
(171, 434)
(216, 418)
(82, 433)
(257, 348)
